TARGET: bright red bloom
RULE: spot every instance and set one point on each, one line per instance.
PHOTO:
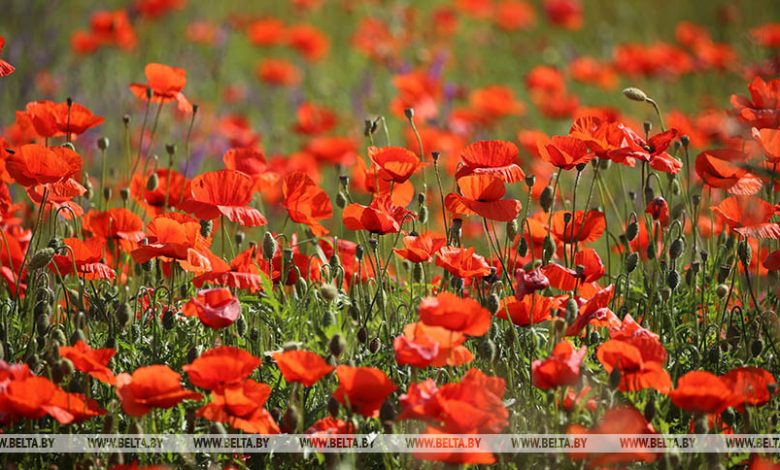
(723, 169)
(278, 72)
(92, 361)
(309, 41)
(34, 164)
(752, 386)
(495, 157)
(242, 407)
(6, 69)
(86, 256)
(588, 260)
(422, 346)
(306, 202)
(653, 151)
(165, 83)
(637, 371)
(560, 369)
(769, 140)
(658, 210)
(266, 32)
(170, 191)
(749, 216)
(566, 14)
(363, 389)
(175, 236)
(762, 109)
(221, 367)
(421, 248)
(702, 392)
(462, 262)
(216, 308)
(565, 152)
(582, 228)
(151, 387)
(455, 313)
(115, 224)
(313, 119)
(52, 119)
(395, 163)
(331, 425)
(480, 194)
(381, 216)
(224, 193)
(618, 420)
(530, 310)
(301, 366)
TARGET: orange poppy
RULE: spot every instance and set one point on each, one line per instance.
(333, 149)
(530, 310)
(702, 392)
(653, 151)
(31, 397)
(34, 164)
(53, 119)
(582, 228)
(300, 366)
(175, 236)
(224, 193)
(749, 216)
(170, 191)
(59, 195)
(313, 119)
(395, 164)
(480, 194)
(242, 407)
(331, 425)
(495, 157)
(69, 408)
(252, 162)
(560, 369)
(310, 42)
(151, 387)
(363, 389)
(92, 361)
(769, 140)
(221, 367)
(422, 346)
(455, 313)
(421, 248)
(636, 373)
(115, 224)
(242, 273)
(594, 312)
(462, 262)
(565, 152)
(618, 420)
(278, 72)
(6, 69)
(722, 169)
(568, 279)
(380, 216)
(165, 83)
(266, 32)
(648, 343)
(752, 386)
(513, 15)
(306, 202)
(762, 109)
(216, 308)
(86, 256)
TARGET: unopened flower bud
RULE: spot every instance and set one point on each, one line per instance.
(269, 246)
(41, 259)
(546, 198)
(152, 182)
(103, 143)
(635, 94)
(336, 345)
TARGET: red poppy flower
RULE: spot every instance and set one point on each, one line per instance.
(530, 310)
(306, 202)
(421, 248)
(636, 373)
(221, 367)
(513, 15)
(266, 32)
(92, 361)
(480, 194)
(30, 397)
(331, 425)
(723, 169)
(560, 369)
(86, 256)
(115, 224)
(462, 262)
(769, 140)
(313, 119)
(59, 195)
(170, 191)
(151, 387)
(278, 72)
(165, 83)
(366, 180)
(752, 386)
(308, 41)
(422, 346)
(363, 389)
(381, 216)
(565, 152)
(6, 69)
(648, 343)
(224, 193)
(242, 273)
(455, 313)
(395, 163)
(300, 366)
(566, 14)
(53, 119)
(34, 164)
(252, 162)
(69, 408)
(175, 236)
(595, 312)
(242, 407)
(332, 149)
(495, 157)
(652, 151)
(658, 210)
(582, 228)
(702, 392)
(587, 259)
(762, 109)
(618, 420)
(749, 216)
(216, 308)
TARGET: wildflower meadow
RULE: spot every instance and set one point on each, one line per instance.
(389, 234)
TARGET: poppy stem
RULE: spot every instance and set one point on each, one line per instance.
(441, 196)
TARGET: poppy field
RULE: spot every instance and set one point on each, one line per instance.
(338, 217)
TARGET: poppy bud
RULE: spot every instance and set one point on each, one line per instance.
(341, 200)
(676, 189)
(336, 345)
(152, 182)
(107, 193)
(648, 126)
(102, 143)
(333, 407)
(650, 251)
(487, 349)
(373, 345)
(572, 309)
(530, 180)
(512, 227)
(745, 252)
(328, 319)
(548, 247)
(239, 237)
(205, 228)
(604, 163)
(422, 214)
(126, 119)
(594, 337)
(546, 198)
(722, 290)
(193, 353)
(58, 336)
(649, 193)
(409, 113)
(41, 324)
(665, 292)
(386, 412)
(677, 248)
(42, 308)
(581, 167)
(649, 411)
(362, 335)
(493, 303)
(168, 320)
(269, 246)
(41, 258)
(417, 273)
(329, 292)
(635, 94)
(522, 247)
(685, 140)
(77, 336)
(241, 326)
(614, 378)
(632, 260)
(435, 156)
(301, 287)
(291, 419)
(124, 194)
(756, 347)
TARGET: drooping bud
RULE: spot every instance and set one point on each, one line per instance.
(153, 182)
(269, 246)
(546, 198)
(632, 260)
(41, 259)
(635, 94)
(337, 345)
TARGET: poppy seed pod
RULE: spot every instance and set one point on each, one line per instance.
(409, 113)
(435, 156)
(328, 319)
(572, 309)
(107, 193)
(665, 293)
(756, 347)
(723, 273)
(421, 198)
(635, 94)
(103, 143)
(153, 182)
(344, 181)
(648, 126)
(239, 237)
(530, 180)
(650, 251)
(685, 140)
(336, 345)
(170, 148)
(269, 246)
(126, 119)
(359, 252)
(333, 407)
(632, 260)
(546, 198)
(722, 290)
(124, 194)
(522, 247)
(168, 320)
(614, 378)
